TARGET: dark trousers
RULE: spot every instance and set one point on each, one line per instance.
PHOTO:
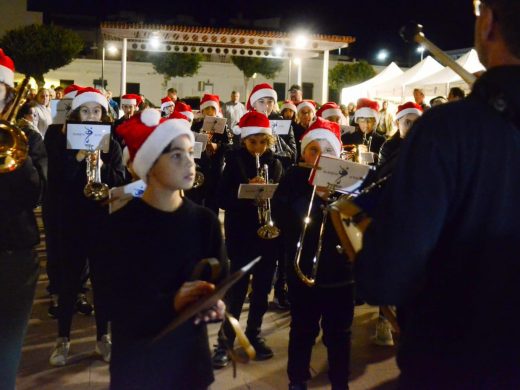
(281, 268)
(334, 308)
(18, 275)
(71, 269)
(262, 275)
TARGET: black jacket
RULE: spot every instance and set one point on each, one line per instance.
(444, 242)
(374, 140)
(290, 206)
(241, 215)
(20, 192)
(285, 148)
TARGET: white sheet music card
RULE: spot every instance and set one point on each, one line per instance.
(197, 149)
(214, 125)
(120, 196)
(280, 127)
(88, 136)
(256, 191)
(202, 138)
(59, 110)
(345, 176)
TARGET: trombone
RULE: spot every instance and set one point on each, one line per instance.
(267, 230)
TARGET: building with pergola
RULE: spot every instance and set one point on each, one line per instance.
(223, 42)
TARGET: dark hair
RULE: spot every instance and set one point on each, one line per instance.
(457, 92)
(172, 90)
(59, 88)
(25, 109)
(507, 13)
(74, 116)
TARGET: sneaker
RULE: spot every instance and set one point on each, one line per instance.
(281, 301)
(263, 351)
(104, 348)
(298, 386)
(83, 306)
(53, 311)
(60, 353)
(220, 358)
(383, 335)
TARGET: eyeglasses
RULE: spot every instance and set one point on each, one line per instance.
(477, 4)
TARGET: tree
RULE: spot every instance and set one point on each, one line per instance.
(343, 75)
(176, 64)
(36, 49)
(267, 67)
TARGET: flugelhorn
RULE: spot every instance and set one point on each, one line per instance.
(413, 32)
(267, 230)
(14, 147)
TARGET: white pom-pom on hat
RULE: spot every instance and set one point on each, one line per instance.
(151, 117)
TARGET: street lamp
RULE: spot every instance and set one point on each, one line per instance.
(278, 51)
(382, 55)
(421, 50)
(155, 42)
(300, 41)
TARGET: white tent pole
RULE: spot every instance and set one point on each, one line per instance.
(123, 68)
(325, 80)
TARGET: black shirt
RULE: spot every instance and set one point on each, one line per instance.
(151, 253)
(444, 242)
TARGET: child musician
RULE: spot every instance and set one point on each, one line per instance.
(76, 221)
(241, 224)
(155, 244)
(212, 159)
(330, 302)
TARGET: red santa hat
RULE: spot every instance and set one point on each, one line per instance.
(323, 129)
(408, 108)
(260, 91)
(367, 108)
(184, 109)
(179, 115)
(131, 99)
(89, 95)
(288, 105)
(166, 102)
(209, 100)
(71, 91)
(329, 109)
(306, 103)
(6, 69)
(146, 134)
(254, 122)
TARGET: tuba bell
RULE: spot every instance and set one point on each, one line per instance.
(14, 147)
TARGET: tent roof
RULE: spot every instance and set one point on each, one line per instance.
(395, 86)
(351, 94)
(468, 61)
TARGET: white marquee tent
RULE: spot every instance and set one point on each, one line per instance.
(440, 83)
(396, 88)
(351, 94)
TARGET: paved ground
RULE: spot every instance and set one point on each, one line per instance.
(372, 366)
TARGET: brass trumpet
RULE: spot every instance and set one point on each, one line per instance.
(267, 230)
(14, 147)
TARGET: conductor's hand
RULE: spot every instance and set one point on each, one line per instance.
(191, 292)
(214, 313)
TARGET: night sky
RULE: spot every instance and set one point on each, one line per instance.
(375, 24)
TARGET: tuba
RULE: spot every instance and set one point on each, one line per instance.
(14, 146)
(267, 230)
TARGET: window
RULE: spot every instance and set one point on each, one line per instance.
(280, 91)
(307, 89)
(133, 88)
